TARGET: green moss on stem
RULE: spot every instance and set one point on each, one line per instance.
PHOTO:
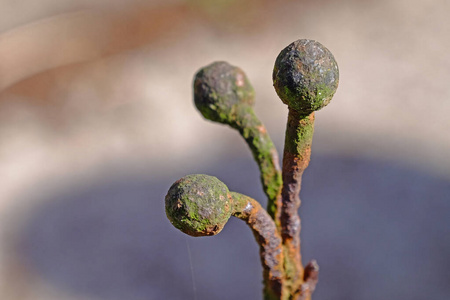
(299, 133)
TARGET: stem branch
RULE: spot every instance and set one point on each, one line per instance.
(265, 154)
(269, 240)
(297, 151)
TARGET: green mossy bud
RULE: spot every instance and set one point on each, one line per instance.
(220, 91)
(198, 205)
(305, 76)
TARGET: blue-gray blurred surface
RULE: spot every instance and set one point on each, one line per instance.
(379, 230)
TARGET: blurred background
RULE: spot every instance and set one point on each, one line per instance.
(97, 121)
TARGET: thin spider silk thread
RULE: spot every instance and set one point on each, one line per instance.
(194, 288)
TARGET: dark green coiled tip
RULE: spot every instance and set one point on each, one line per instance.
(305, 76)
(220, 89)
(198, 205)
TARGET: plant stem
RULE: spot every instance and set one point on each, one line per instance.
(310, 279)
(297, 151)
(265, 154)
(269, 241)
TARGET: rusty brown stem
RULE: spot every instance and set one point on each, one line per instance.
(310, 279)
(269, 241)
(297, 151)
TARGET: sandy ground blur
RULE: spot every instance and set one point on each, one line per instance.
(96, 89)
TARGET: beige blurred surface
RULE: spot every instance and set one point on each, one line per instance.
(86, 85)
